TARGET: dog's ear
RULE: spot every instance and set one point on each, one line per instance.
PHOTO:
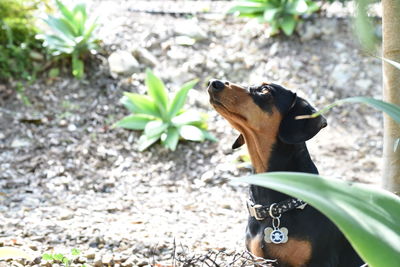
(239, 142)
(292, 130)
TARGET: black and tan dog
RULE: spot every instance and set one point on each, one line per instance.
(279, 226)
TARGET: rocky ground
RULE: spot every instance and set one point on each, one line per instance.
(70, 180)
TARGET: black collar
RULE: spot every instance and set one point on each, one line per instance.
(275, 210)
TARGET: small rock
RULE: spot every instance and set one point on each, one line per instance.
(190, 29)
(207, 177)
(97, 262)
(364, 84)
(341, 75)
(72, 128)
(122, 63)
(20, 142)
(90, 254)
(273, 50)
(107, 259)
(63, 123)
(144, 56)
(309, 31)
(66, 215)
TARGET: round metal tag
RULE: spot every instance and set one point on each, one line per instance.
(277, 236)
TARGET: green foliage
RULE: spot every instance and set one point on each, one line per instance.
(162, 118)
(279, 14)
(17, 39)
(369, 217)
(71, 35)
(61, 258)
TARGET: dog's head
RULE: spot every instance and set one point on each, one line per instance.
(263, 108)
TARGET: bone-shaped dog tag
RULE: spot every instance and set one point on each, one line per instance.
(276, 236)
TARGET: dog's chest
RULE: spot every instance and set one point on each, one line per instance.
(295, 253)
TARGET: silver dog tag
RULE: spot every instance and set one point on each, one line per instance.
(276, 236)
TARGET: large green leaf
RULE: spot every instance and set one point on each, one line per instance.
(369, 217)
(143, 104)
(133, 122)
(390, 109)
(172, 138)
(180, 98)
(157, 91)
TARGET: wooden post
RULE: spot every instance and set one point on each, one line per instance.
(391, 93)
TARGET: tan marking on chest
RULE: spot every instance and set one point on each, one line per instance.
(296, 253)
(255, 247)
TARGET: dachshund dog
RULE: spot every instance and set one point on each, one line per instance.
(280, 227)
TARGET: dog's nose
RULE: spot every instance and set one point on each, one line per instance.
(216, 85)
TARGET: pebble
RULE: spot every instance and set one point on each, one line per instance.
(122, 63)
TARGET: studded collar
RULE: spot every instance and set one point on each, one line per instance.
(260, 212)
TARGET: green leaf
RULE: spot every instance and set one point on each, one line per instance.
(180, 98)
(297, 7)
(75, 252)
(270, 14)
(60, 26)
(312, 7)
(172, 138)
(14, 253)
(247, 8)
(58, 257)
(209, 136)
(187, 117)
(46, 257)
(155, 128)
(394, 63)
(192, 133)
(142, 104)
(65, 11)
(77, 66)
(390, 109)
(80, 17)
(128, 104)
(288, 24)
(368, 216)
(157, 91)
(145, 142)
(133, 122)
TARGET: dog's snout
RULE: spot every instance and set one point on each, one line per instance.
(216, 85)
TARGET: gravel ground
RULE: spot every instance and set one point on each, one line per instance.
(69, 180)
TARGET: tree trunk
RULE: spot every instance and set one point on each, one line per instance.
(391, 93)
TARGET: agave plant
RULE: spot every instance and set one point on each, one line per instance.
(162, 118)
(279, 14)
(71, 34)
